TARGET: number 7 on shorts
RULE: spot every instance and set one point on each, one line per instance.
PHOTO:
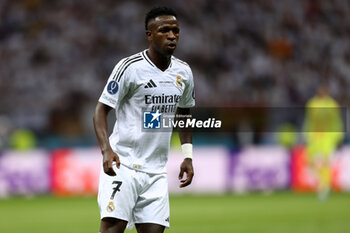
(116, 188)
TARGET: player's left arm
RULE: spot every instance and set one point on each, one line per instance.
(186, 142)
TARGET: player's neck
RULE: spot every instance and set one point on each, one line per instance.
(161, 61)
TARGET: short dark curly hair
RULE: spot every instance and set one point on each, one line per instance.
(158, 11)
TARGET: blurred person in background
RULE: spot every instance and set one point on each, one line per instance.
(324, 131)
(133, 185)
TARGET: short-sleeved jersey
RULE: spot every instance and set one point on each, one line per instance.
(136, 85)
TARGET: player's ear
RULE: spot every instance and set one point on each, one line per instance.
(149, 35)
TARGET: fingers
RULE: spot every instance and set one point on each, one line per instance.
(188, 180)
(186, 167)
(181, 174)
(108, 164)
(117, 162)
(108, 168)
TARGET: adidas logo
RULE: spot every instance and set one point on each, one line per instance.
(150, 84)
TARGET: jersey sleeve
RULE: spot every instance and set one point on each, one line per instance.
(188, 97)
(117, 86)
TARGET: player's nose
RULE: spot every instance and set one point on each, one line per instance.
(171, 35)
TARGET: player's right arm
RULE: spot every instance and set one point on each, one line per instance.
(114, 91)
(101, 131)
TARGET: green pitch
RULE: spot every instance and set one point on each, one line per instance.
(253, 213)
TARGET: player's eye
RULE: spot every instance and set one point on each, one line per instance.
(164, 30)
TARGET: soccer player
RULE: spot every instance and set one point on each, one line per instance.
(133, 186)
(323, 128)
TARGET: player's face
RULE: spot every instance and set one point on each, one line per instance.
(163, 34)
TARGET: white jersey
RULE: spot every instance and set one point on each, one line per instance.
(136, 85)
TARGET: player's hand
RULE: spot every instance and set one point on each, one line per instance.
(186, 167)
(108, 158)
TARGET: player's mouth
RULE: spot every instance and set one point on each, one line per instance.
(172, 45)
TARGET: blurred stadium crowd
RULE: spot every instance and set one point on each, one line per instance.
(55, 56)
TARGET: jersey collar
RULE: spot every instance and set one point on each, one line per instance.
(149, 61)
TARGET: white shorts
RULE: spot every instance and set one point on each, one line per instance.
(134, 196)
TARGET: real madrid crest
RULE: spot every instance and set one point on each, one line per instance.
(110, 207)
(179, 81)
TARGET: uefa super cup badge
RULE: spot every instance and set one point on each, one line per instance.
(179, 81)
(110, 207)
